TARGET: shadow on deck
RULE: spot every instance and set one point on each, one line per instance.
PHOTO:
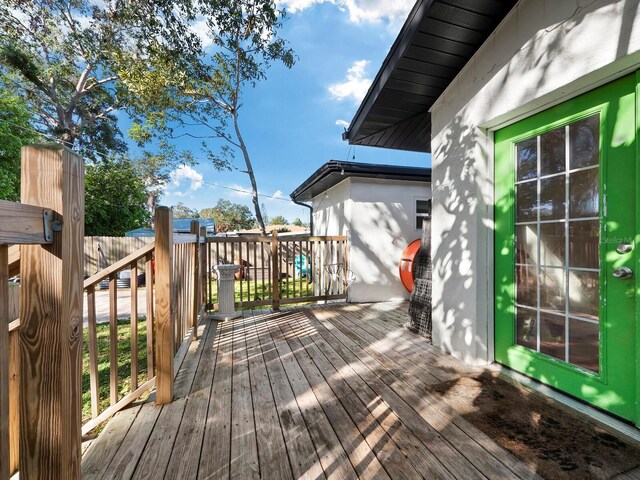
(336, 391)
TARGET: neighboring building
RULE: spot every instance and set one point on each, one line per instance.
(183, 225)
(180, 225)
(529, 111)
(379, 208)
(140, 232)
(292, 230)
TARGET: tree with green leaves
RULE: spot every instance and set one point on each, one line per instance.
(245, 42)
(279, 220)
(15, 131)
(79, 62)
(229, 216)
(180, 210)
(115, 198)
(297, 222)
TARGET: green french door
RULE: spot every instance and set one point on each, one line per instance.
(565, 243)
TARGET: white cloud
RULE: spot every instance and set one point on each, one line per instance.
(244, 192)
(201, 29)
(184, 178)
(393, 12)
(356, 84)
(239, 190)
(342, 123)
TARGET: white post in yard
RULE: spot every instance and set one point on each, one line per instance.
(226, 293)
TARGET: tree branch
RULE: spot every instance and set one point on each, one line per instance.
(96, 83)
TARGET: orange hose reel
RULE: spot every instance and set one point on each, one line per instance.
(406, 264)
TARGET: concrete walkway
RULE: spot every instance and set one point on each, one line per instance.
(124, 304)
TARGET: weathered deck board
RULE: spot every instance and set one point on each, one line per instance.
(349, 390)
(274, 461)
(336, 391)
(216, 445)
(364, 462)
(414, 364)
(333, 458)
(244, 444)
(414, 390)
(303, 458)
(185, 456)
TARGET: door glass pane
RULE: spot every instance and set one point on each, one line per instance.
(552, 152)
(552, 244)
(527, 202)
(526, 244)
(552, 198)
(584, 142)
(552, 289)
(526, 328)
(584, 193)
(527, 286)
(552, 333)
(584, 339)
(557, 243)
(584, 294)
(584, 247)
(527, 153)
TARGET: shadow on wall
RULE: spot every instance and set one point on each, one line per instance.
(545, 53)
(461, 190)
(455, 210)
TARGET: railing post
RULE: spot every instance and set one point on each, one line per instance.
(275, 270)
(4, 364)
(203, 267)
(165, 319)
(51, 318)
(195, 290)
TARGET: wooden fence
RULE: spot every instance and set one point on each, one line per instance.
(304, 268)
(42, 353)
(100, 252)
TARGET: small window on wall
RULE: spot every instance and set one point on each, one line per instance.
(423, 210)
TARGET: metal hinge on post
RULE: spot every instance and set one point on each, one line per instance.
(50, 225)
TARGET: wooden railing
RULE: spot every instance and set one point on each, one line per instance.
(303, 268)
(43, 352)
(118, 400)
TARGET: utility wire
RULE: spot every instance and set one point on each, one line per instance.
(249, 192)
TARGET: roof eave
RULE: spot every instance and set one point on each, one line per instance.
(410, 27)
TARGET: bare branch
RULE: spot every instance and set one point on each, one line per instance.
(96, 83)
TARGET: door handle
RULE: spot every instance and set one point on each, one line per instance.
(623, 248)
(623, 273)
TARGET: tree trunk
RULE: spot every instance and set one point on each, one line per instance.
(252, 178)
(65, 135)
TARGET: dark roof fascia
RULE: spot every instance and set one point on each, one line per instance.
(336, 171)
(410, 27)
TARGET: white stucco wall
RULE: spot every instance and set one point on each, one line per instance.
(379, 221)
(332, 210)
(543, 53)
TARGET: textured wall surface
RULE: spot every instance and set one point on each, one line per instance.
(378, 217)
(545, 52)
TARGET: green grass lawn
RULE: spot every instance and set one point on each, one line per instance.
(262, 290)
(124, 363)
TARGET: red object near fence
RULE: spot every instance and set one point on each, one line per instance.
(406, 264)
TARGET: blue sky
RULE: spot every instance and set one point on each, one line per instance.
(293, 121)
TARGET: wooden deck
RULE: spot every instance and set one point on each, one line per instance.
(324, 392)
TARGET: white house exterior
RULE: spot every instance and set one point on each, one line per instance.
(374, 206)
(490, 81)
